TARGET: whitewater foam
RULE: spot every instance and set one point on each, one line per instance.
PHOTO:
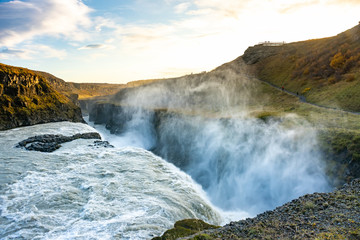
(83, 192)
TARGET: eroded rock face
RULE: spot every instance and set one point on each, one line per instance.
(254, 54)
(27, 99)
(51, 142)
(313, 216)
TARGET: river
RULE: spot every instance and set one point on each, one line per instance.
(86, 192)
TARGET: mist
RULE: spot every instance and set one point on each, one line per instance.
(201, 124)
(244, 164)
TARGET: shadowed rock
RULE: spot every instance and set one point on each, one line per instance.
(51, 142)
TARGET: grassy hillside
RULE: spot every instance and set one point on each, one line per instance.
(326, 71)
(89, 90)
(81, 90)
(26, 98)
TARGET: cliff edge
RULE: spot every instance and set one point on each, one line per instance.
(333, 215)
(26, 98)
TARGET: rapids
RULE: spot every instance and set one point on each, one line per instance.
(85, 192)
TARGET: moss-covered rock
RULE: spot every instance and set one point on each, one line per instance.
(341, 150)
(334, 215)
(26, 98)
(185, 228)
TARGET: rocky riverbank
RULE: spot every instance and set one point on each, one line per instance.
(334, 215)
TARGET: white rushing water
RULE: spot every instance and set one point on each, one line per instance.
(245, 165)
(85, 192)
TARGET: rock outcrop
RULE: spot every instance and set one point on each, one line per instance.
(334, 215)
(256, 53)
(26, 98)
(51, 142)
(185, 228)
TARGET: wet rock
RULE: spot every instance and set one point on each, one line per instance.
(99, 144)
(43, 147)
(334, 215)
(51, 142)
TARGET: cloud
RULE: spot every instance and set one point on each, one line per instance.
(11, 51)
(300, 4)
(175, 38)
(353, 2)
(230, 8)
(32, 51)
(182, 7)
(102, 23)
(288, 8)
(92, 46)
(44, 51)
(6, 53)
(24, 20)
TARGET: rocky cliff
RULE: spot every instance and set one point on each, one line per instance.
(26, 98)
(333, 215)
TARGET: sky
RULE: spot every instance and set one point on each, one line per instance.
(117, 41)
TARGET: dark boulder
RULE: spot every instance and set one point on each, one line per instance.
(51, 142)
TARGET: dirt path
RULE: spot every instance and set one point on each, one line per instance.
(303, 99)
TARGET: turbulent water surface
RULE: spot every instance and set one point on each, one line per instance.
(85, 192)
(245, 165)
(241, 167)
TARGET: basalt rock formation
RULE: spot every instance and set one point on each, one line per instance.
(26, 98)
(51, 142)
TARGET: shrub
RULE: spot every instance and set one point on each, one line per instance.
(332, 80)
(350, 77)
(309, 205)
(306, 90)
(338, 61)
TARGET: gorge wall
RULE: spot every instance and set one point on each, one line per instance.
(26, 98)
(246, 165)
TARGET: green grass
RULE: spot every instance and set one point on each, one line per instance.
(186, 228)
(29, 98)
(311, 65)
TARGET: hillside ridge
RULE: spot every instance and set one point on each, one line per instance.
(324, 71)
(27, 98)
(77, 91)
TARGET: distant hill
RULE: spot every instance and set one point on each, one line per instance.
(27, 98)
(81, 90)
(326, 71)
